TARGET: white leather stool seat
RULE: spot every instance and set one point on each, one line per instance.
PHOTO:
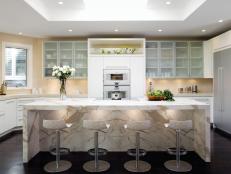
(94, 124)
(183, 125)
(139, 125)
(54, 124)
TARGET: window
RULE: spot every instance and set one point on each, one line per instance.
(16, 65)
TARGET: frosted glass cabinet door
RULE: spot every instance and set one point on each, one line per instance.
(182, 59)
(196, 59)
(152, 59)
(50, 55)
(80, 59)
(166, 60)
(66, 53)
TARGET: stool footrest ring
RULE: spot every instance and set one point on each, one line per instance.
(101, 152)
(132, 152)
(62, 151)
(172, 151)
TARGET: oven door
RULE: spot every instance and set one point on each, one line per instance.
(116, 93)
(116, 77)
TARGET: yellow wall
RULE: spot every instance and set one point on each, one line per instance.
(48, 86)
(204, 85)
(52, 86)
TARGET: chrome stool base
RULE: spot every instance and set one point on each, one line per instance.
(102, 166)
(183, 167)
(51, 167)
(142, 167)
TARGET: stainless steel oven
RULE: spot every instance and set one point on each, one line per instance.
(116, 84)
(116, 92)
(116, 77)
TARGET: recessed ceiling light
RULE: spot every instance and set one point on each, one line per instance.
(203, 30)
(20, 33)
(60, 2)
(168, 2)
(69, 30)
(116, 30)
(159, 30)
(220, 20)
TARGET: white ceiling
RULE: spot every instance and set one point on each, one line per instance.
(183, 18)
(115, 10)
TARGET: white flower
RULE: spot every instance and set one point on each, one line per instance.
(55, 67)
(59, 74)
(53, 73)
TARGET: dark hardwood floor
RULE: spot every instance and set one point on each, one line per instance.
(11, 159)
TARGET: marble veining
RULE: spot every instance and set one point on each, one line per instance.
(118, 113)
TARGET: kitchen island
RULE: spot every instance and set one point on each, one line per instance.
(116, 113)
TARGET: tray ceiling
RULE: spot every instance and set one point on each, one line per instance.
(115, 10)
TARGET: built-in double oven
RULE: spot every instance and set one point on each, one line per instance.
(116, 84)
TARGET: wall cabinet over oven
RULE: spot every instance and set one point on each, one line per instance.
(169, 59)
(61, 53)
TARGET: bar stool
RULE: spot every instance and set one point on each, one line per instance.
(137, 165)
(178, 165)
(96, 165)
(57, 165)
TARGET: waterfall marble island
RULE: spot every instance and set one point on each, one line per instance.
(117, 114)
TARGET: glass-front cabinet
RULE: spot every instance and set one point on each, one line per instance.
(50, 57)
(166, 59)
(65, 53)
(182, 59)
(152, 61)
(80, 59)
(174, 59)
(196, 59)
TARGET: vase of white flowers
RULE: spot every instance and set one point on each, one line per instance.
(62, 73)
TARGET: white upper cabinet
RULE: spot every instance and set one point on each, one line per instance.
(65, 53)
(208, 59)
(182, 59)
(196, 58)
(174, 59)
(215, 44)
(50, 57)
(222, 41)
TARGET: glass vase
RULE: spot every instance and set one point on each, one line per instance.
(62, 89)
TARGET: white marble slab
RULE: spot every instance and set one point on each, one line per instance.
(54, 104)
(117, 113)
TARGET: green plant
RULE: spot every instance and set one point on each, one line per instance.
(168, 95)
(156, 93)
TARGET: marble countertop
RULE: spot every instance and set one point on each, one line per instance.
(94, 104)
(194, 95)
(19, 96)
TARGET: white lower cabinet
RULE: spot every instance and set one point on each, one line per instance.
(7, 115)
(11, 113)
(2, 116)
(10, 108)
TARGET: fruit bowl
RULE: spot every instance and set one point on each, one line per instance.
(156, 98)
